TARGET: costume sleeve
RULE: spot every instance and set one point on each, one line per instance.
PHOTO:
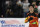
(26, 20)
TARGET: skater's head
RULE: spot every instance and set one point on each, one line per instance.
(31, 8)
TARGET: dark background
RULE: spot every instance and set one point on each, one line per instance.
(17, 10)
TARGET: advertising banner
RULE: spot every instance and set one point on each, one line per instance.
(14, 22)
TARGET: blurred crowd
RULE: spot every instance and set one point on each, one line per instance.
(18, 8)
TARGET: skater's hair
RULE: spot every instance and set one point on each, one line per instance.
(31, 5)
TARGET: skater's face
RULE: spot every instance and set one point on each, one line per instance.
(31, 9)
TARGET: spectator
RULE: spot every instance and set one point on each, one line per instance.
(39, 9)
(35, 7)
(9, 13)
